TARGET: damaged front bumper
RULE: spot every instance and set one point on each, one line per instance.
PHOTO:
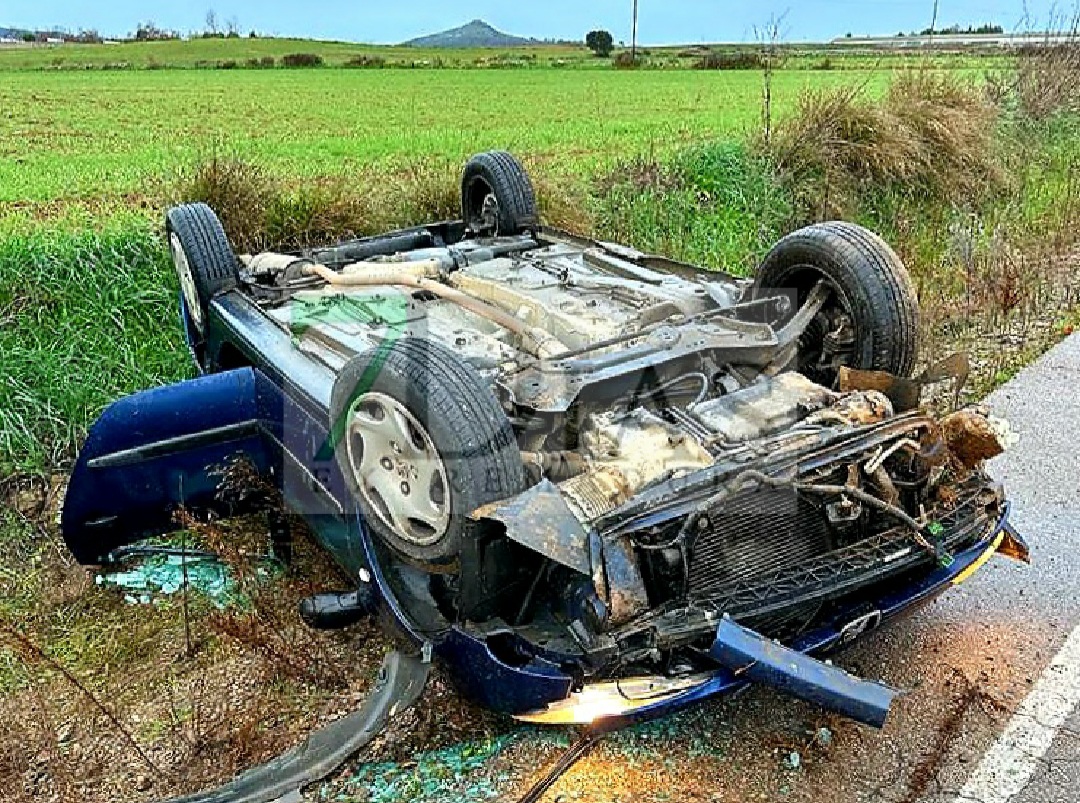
(748, 657)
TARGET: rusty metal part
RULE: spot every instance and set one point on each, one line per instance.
(1013, 547)
(956, 367)
(540, 519)
(864, 407)
(906, 394)
(535, 341)
(973, 436)
(626, 595)
(556, 466)
(597, 491)
(626, 452)
(764, 408)
(885, 486)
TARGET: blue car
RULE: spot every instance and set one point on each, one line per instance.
(598, 485)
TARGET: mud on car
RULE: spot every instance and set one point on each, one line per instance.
(597, 484)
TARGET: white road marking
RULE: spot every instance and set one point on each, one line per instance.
(1008, 766)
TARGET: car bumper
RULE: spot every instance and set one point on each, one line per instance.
(608, 706)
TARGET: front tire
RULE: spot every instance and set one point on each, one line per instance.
(871, 321)
(203, 258)
(423, 443)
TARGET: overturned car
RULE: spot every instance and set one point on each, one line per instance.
(598, 485)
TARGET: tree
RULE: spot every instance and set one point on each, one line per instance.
(600, 42)
(211, 22)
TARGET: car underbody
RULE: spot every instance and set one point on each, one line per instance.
(654, 415)
(568, 462)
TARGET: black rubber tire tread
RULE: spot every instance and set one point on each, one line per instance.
(513, 188)
(878, 289)
(210, 256)
(464, 420)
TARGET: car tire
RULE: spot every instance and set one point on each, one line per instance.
(497, 196)
(454, 449)
(870, 286)
(203, 258)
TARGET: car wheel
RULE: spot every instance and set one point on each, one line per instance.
(204, 260)
(871, 319)
(497, 197)
(422, 442)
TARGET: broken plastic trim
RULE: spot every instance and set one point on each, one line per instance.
(399, 684)
(756, 658)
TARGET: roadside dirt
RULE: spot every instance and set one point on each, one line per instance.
(104, 701)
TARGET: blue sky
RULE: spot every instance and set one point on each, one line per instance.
(661, 21)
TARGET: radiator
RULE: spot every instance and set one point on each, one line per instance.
(754, 532)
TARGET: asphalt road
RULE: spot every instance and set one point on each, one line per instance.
(1042, 475)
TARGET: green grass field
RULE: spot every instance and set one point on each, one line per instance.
(120, 136)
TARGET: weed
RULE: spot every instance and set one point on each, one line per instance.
(302, 60)
(365, 61)
(716, 205)
(738, 60)
(1044, 83)
(931, 138)
(237, 189)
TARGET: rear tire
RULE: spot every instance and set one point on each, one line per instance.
(497, 196)
(423, 443)
(871, 322)
(204, 260)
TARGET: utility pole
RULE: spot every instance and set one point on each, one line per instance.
(633, 36)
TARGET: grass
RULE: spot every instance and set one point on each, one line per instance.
(114, 139)
(716, 205)
(81, 323)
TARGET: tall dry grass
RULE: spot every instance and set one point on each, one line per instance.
(1047, 77)
(260, 210)
(932, 136)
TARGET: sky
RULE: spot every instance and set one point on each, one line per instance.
(660, 21)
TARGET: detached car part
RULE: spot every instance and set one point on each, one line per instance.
(594, 482)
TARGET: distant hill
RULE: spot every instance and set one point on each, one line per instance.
(475, 34)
